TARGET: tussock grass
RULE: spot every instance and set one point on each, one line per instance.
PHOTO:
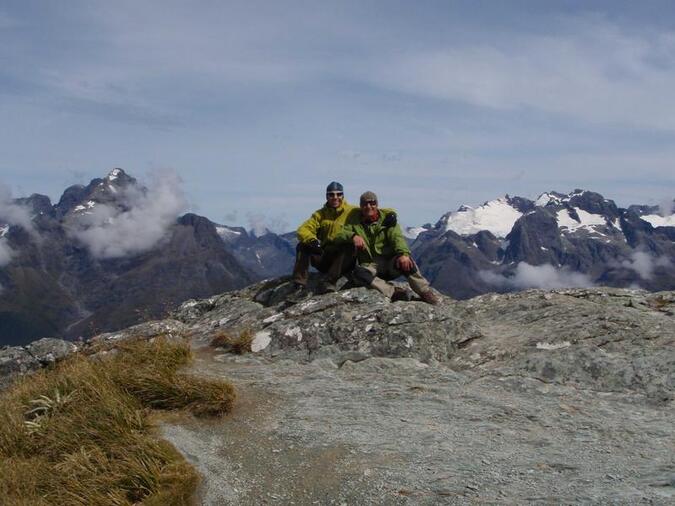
(80, 434)
(236, 344)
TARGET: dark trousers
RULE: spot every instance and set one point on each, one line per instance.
(333, 262)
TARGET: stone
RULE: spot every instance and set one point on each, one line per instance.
(14, 362)
(49, 350)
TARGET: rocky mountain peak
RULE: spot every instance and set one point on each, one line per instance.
(110, 190)
(38, 204)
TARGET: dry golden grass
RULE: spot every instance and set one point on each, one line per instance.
(236, 344)
(80, 434)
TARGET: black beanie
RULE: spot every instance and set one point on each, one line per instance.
(334, 186)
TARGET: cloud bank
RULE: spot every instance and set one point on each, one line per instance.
(260, 224)
(113, 232)
(667, 207)
(644, 264)
(592, 71)
(537, 276)
(13, 214)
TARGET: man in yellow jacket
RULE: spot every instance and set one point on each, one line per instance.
(317, 245)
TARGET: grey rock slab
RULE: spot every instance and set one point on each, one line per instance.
(400, 431)
(15, 361)
(172, 329)
(591, 337)
(48, 350)
(563, 396)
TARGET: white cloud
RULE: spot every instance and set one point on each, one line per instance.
(587, 68)
(12, 213)
(644, 263)
(666, 207)
(594, 72)
(111, 232)
(537, 276)
(260, 224)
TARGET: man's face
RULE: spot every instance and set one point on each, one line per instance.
(369, 209)
(334, 198)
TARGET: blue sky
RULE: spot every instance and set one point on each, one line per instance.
(258, 105)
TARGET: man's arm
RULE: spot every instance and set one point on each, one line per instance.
(345, 235)
(307, 231)
(397, 241)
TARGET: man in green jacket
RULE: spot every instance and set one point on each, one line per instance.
(317, 245)
(383, 253)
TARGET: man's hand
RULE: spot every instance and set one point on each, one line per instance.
(404, 263)
(389, 220)
(315, 247)
(359, 243)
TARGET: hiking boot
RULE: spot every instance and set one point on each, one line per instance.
(327, 287)
(430, 297)
(400, 294)
(299, 292)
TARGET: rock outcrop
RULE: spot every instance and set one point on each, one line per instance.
(561, 396)
(602, 338)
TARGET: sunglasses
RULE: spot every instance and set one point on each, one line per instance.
(333, 194)
(369, 203)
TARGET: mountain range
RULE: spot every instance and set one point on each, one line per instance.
(113, 253)
(578, 239)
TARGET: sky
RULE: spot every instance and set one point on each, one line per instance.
(257, 106)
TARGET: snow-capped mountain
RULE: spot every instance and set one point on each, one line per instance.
(657, 216)
(580, 238)
(103, 258)
(496, 216)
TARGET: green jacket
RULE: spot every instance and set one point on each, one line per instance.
(326, 223)
(380, 241)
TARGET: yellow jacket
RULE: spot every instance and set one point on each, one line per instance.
(326, 223)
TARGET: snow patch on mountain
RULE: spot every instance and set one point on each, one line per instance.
(497, 216)
(227, 232)
(114, 174)
(3, 230)
(557, 199)
(412, 232)
(656, 220)
(89, 205)
(548, 198)
(586, 220)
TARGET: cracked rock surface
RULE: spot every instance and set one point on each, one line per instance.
(534, 397)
